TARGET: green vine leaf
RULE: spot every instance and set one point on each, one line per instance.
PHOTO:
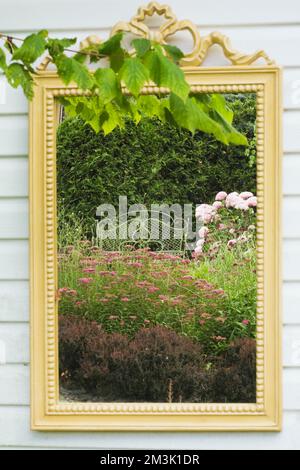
(134, 74)
(106, 107)
(110, 119)
(141, 46)
(17, 75)
(218, 103)
(111, 46)
(165, 73)
(57, 46)
(233, 136)
(173, 52)
(149, 105)
(70, 69)
(3, 64)
(108, 84)
(32, 48)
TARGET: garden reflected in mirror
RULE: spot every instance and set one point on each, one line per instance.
(156, 231)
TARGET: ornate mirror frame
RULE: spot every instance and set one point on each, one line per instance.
(47, 413)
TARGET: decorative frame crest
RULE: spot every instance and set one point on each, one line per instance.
(47, 412)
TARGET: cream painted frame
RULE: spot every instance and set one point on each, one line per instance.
(46, 411)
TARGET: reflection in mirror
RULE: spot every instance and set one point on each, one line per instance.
(157, 260)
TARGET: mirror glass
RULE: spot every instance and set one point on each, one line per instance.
(156, 248)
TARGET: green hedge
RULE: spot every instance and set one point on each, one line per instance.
(151, 162)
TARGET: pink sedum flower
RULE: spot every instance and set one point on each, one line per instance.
(246, 322)
(246, 194)
(221, 196)
(222, 227)
(152, 289)
(85, 280)
(125, 299)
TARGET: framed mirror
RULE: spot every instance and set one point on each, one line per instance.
(155, 252)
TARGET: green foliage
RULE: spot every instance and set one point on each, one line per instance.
(152, 61)
(141, 46)
(166, 73)
(32, 48)
(108, 85)
(3, 65)
(173, 166)
(18, 75)
(134, 74)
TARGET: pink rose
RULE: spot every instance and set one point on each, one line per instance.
(221, 196)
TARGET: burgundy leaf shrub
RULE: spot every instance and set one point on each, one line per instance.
(235, 378)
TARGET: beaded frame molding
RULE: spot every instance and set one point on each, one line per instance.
(47, 412)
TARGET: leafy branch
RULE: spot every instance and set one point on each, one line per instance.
(107, 106)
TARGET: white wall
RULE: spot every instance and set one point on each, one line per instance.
(273, 26)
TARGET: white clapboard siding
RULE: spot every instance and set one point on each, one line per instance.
(14, 301)
(14, 379)
(12, 101)
(291, 345)
(13, 177)
(290, 180)
(14, 343)
(14, 259)
(291, 302)
(291, 131)
(291, 216)
(13, 218)
(15, 432)
(75, 14)
(13, 135)
(291, 88)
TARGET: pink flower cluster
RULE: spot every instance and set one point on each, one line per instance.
(207, 213)
(242, 201)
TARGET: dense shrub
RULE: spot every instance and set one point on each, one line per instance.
(150, 163)
(158, 365)
(235, 378)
